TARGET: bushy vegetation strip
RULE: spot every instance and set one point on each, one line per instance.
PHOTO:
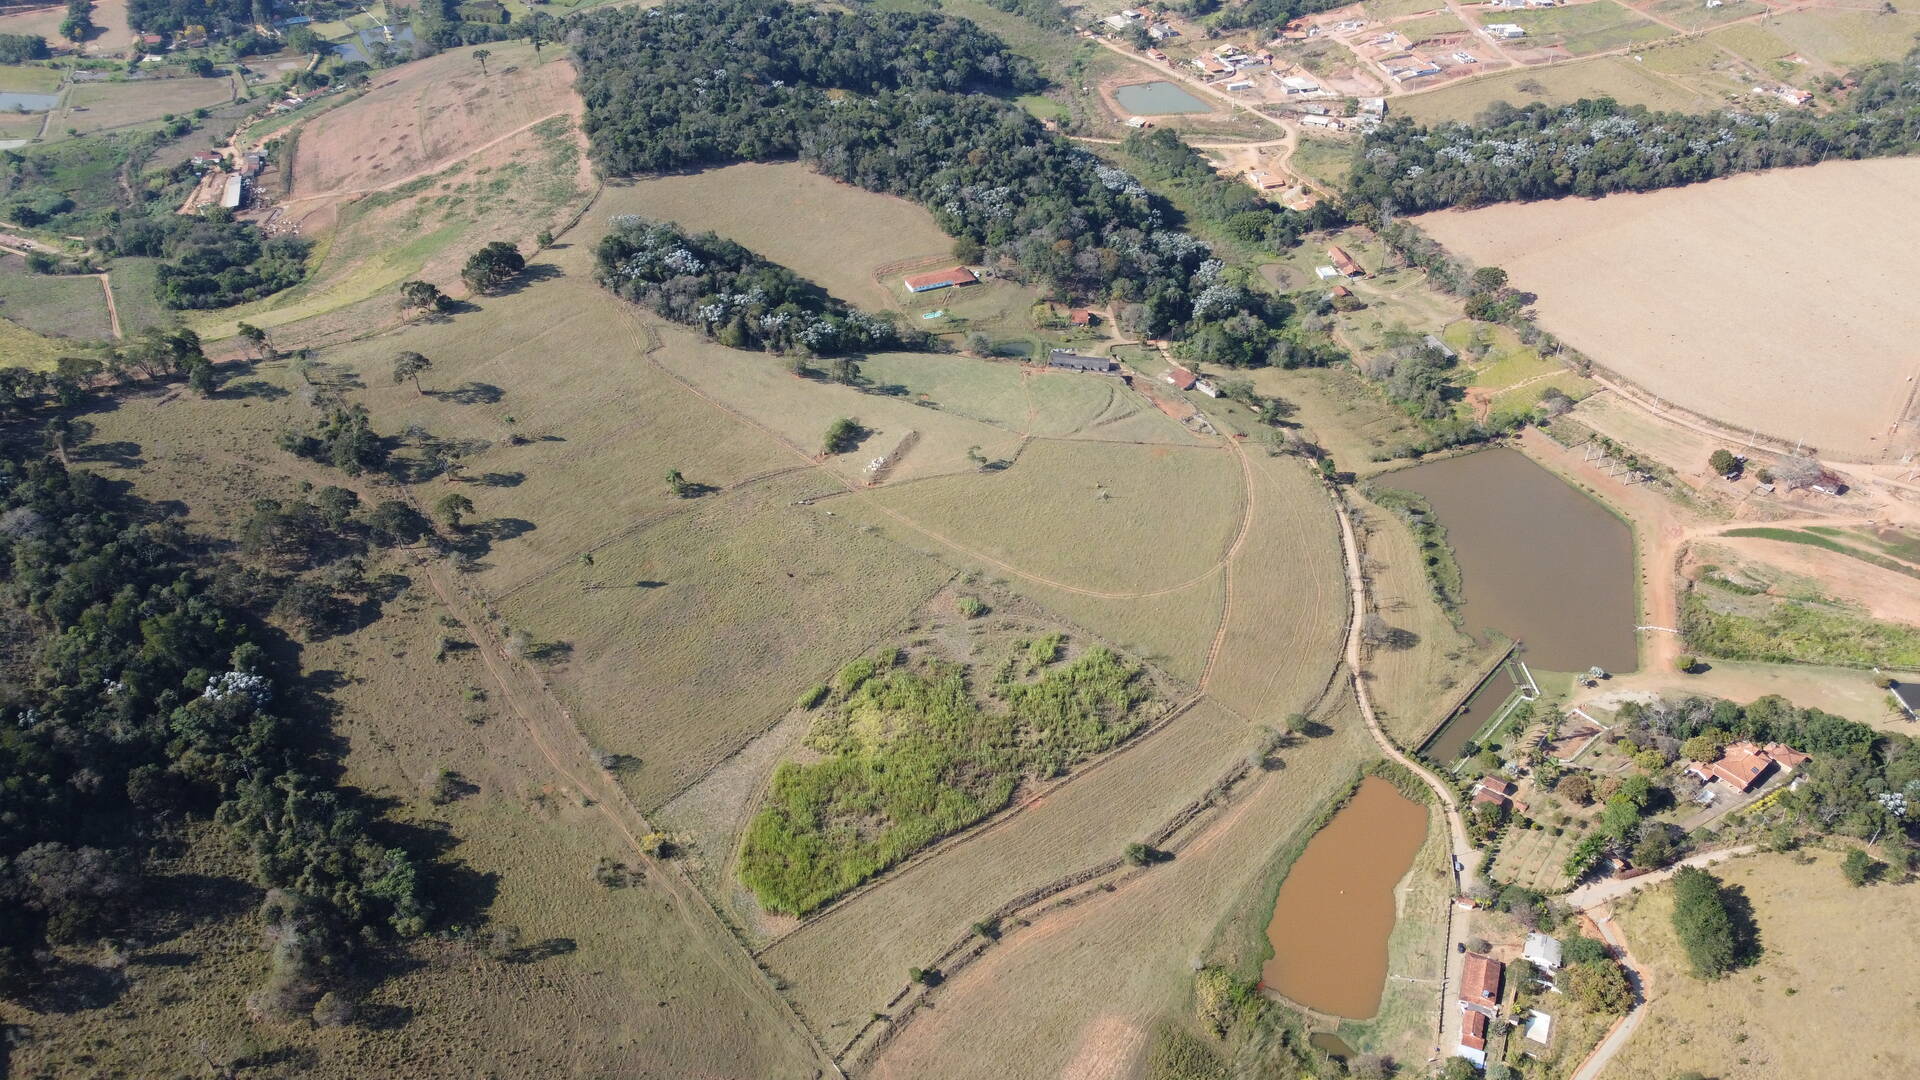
(736, 297)
(1796, 632)
(1436, 554)
(876, 99)
(911, 755)
(1595, 147)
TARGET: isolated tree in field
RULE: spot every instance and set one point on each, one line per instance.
(842, 435)
(845, 371)
(452, 508)
(492, 266)
(1685, 663)
(679, 484)
(409, 365)
(1723, 462)
(423, 296)
(1703, 923)
(544, 239)
(481, 55)
(200, 378)
(255, 337)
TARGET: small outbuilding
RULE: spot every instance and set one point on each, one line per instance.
(1542, 951)
(1069, 360)
(1181, 378)
(1908, 695)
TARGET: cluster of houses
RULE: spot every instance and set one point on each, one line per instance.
(1790, 95)
(234, 187)
(1228, 59)
(1132, 17)
(1480, 996)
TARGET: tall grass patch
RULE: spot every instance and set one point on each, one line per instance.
(912, 754)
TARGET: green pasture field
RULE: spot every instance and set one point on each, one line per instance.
(1617, 77)
(23, 348)
(1393, 9)
(1432, 26)
(1848, 39)
(102, 106)
(1694, 15)
(134, 281)
(1040, 403)
(29, 78)
(1757, 43)
(1328, 161)
(58, 305)
(1585, 28)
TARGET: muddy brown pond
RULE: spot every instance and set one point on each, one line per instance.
(1335, 909)
(1540, 561)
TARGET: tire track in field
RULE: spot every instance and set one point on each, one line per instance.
(1248, 502)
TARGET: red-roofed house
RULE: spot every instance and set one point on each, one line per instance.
(1181, 378)
(1745, 764)
(1473, 1038)
(959, 275)
(1344, 263)
(1492, 789)
(1080, 317)
(1480, 984)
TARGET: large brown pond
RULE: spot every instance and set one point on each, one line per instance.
(1335, 908)
(1540, 561)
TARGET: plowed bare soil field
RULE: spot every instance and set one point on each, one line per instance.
(1706, 297)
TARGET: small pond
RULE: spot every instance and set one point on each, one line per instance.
(1331, 1045)
(1540, 561)
(1335, 909)
(360, 46)
(1158, 99)
(11, 102)
(1448, 745)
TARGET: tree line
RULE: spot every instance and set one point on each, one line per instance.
(736, 297)
(1599, 146)
(1015, 196)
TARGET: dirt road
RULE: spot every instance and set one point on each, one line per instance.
(1465, 858)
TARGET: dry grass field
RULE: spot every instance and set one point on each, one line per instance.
(1835, 974)
(421, 117)
(1727, 305)
(832, 233)
(1027, 401)
(1284, 627)
(519, 843)
(711, 623)
(1800, 570)
(1088, 515)
(1094, 979)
